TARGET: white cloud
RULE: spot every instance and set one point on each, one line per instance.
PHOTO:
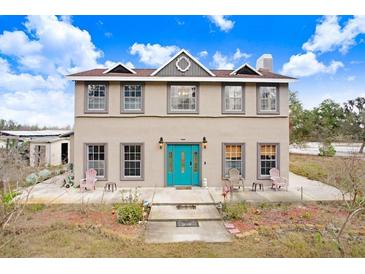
(130, 65)
(306, 64)
(221, 62)
(108, 34)
(153, 54)
(329, 35)
(351, 78)
(109, 64)
(34, 90)
(240, 55)
(11, 81)
(222, 22)
(203, 54)
(50, 108)
(17, 43)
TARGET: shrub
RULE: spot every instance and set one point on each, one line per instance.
(8, 197)
(44, 174)
(129, 214)
(32, 179)
(327, 150)
(234, 211)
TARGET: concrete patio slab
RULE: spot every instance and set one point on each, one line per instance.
(167, 232)
(51, 192)
(171, 213)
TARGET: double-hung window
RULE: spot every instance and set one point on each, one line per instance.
(268, 159)
(132, 98)
(96, 97)
(233, 157)
(96, 159)
(132, 161)
(233, 99)
(268, 99)
(183, 99)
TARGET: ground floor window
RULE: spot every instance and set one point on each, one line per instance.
(131, 161)
(233, 157)
(268, 159)
(96, 159)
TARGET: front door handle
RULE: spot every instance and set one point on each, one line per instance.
(190, 163)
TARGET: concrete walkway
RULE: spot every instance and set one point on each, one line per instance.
(171, 206)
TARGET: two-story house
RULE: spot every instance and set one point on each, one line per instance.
(181, 123)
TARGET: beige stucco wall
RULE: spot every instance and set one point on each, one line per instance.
(156, 100)
(53, 152)
(115, 128)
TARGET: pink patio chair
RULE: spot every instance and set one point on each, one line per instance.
(278, 182)
(90, 180)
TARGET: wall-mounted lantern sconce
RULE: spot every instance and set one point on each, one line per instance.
(205, 142)
(161, 142)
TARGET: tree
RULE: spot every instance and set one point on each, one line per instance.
(301, 122)
(355, 120)
(329, 118)
(349, 177)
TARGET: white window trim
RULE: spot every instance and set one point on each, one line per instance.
(243, 158)
(122, 163)
(183, 111)
(277, 159)
(122, 99)
(86, 163)
(86, 98)
(258, 99)
(226, 111)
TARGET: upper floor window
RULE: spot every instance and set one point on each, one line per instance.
(96, 97)
(183, 99)
(132, 98)
(233, 99)
(268, 99)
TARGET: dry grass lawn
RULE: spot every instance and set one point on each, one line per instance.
(314, 167)
(79, 231)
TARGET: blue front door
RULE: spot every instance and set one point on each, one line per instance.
(183, 164)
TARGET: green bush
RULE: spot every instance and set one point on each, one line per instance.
(234, 211)
(327, 150)
(129, 214)
(8, 197)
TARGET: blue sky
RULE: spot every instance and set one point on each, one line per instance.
(327, 54)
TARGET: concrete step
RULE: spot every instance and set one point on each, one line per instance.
(167, 232)
(172, 196)
(186, 212)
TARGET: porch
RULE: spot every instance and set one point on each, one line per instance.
(300, 189)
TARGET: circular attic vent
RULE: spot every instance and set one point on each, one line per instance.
(183, 64)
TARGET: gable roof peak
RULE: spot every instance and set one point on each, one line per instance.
(245, 65)
(116, 66)
(183, 51)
